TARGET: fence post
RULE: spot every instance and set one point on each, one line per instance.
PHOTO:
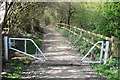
(6, 48)
(92, 53)
(106, 51)
(75, 28)
(119, 49)
(81, 34)
(69, 29)
(119, 58)
(93, 40)
(114, 49)
(25, 46)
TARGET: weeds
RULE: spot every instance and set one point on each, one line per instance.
(110, 69)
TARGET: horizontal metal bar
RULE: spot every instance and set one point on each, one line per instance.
(91, 62)
(27, 54)
(19, 38)
(3, 73)
(66, 59)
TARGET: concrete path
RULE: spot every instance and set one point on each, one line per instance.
(55, 46)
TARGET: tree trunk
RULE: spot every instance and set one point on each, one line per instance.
(69, 12)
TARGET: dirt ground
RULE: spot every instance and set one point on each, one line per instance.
(67, 63)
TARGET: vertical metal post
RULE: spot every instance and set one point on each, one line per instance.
(101, 52)
(6, 48)
(25, 46)
(106, 51)
(36, 53)
(9, 43)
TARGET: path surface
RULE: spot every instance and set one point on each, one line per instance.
(55, 46)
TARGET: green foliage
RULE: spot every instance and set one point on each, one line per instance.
(30, 46)
(103, 18)
(15, 69)
(100, 17)
(110, 69)
(16, 66)
(26, 59)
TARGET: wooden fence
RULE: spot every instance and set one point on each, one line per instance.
(113, 41)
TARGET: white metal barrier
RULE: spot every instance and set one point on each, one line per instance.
(101, 52)
(12, 43)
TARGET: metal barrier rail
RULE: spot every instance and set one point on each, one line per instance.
(101, 53)
(45, 58)
(24, 39)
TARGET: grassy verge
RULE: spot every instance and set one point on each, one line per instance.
(110, 69)
(16, 66)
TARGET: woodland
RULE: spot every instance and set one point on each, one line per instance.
(24, 19)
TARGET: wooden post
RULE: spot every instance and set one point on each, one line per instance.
(70, 29)
(93, 38)
(93, 52)
(119, 58)
(75, 28)
(114, 49)
(63, 27)
(81, 34)
(0, 51)
(119, 49)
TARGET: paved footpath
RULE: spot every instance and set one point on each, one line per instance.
(55, 46)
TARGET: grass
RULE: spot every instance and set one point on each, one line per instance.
(110, 69)
(16, 66)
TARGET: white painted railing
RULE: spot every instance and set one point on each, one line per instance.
(24, 39)
(12, 43)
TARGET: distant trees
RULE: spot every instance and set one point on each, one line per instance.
(100, 17)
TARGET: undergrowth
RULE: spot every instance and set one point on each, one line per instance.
(110, 69)
(16, 66)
